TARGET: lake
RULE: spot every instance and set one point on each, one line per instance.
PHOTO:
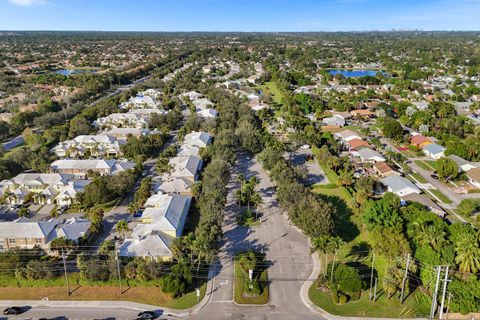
(354, 73)
(67, 72)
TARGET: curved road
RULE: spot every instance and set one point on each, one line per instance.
(285, 248)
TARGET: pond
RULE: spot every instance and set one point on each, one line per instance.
(67, 72)
(354, 73)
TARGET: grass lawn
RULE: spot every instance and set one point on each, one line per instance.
(428, 165)
(422, 165)
(274, 91)
(441, 196)
(432, 164)
(148, 295)
(241, 283)
(357, 250)
(418, 177)
(415, 305)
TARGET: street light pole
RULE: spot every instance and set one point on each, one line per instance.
(405, 278)
(65, 271)
(371, 275)
(445, 282)
(118, 269)
(435, 294)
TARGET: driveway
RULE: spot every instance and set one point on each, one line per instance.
(40, 212)
(315, 174)
(286, 249)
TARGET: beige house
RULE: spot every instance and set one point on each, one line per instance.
(80, 168)
(26, 234)
(89, 145)
(43, 188)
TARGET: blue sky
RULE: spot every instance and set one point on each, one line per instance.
(239, 15)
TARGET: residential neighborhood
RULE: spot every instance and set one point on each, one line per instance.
(240, 175)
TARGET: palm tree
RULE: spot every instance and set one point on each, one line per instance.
(39, 198)
(122, 228)
(62, 243)
(257, 200)
(248, 261)
(54, 212)
(10, 197)
(319, 244)
(23, 212)
(132, 207)
(335, 243)
(241, 179)
(240, 197)
(201, 248)
(327, 244)
(334, 163)
(468, 254)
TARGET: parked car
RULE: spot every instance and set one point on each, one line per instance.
(146, 315)
(434, 176)
(13, 310)
(305, 146)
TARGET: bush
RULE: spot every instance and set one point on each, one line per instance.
(348, 279)
(355, 295)
(335, 297)
(468, 207)
(342, 299)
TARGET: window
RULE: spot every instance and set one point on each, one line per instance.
(38, 240)
(12, 241)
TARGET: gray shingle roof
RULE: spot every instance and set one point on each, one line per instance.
(434, 148)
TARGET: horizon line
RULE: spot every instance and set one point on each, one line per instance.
(240, 31)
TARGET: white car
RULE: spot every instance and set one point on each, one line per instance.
(305, 146)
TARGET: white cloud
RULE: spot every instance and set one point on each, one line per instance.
(28, 3)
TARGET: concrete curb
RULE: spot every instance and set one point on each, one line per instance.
(119, 304)
(247, 304)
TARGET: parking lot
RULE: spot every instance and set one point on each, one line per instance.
(314, 173)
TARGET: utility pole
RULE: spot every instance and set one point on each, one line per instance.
(66, 274)
(118, 269)
(445, 282)
(448, 305)
(405, 278)
(371, 275)
(435, 294)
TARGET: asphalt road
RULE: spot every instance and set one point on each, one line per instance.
(285, 248)
(71, 313)
(314, 173)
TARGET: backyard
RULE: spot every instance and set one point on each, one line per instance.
(272, 88)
